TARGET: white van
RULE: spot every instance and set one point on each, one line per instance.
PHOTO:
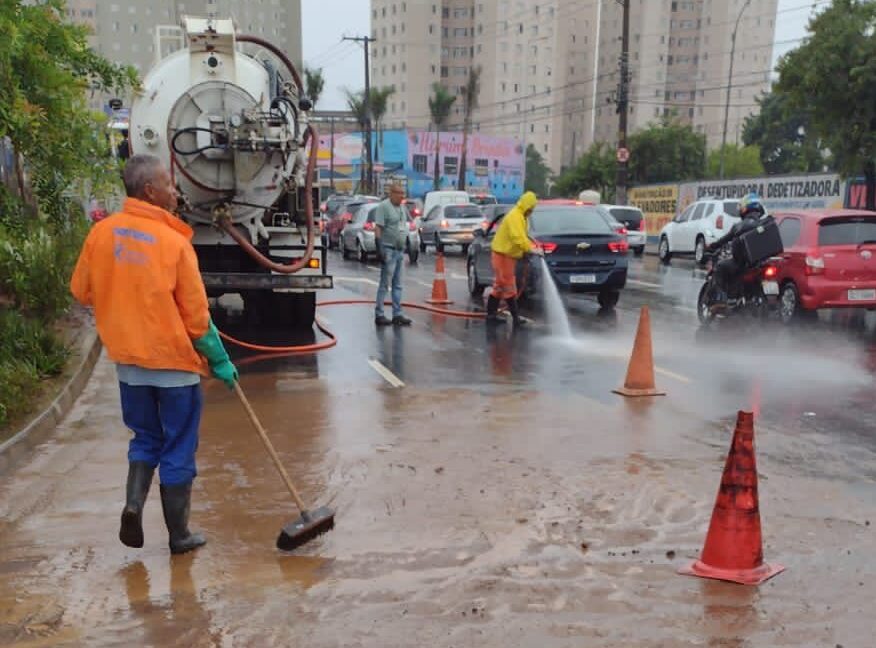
(436, 198)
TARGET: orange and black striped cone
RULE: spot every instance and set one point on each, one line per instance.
(734, 546)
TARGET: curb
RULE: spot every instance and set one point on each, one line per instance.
(43, 425)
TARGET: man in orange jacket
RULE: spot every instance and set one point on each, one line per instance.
(140, 273)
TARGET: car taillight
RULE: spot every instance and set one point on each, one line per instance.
(619, 246)
(814, 263)
(623, 231)
(770, 272)
(547, 248)
(444, 224)
(346, 216)
(484, 225)
(720, 222)
(415, 212)
(368, 227)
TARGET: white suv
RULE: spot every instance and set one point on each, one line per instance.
(697, 227)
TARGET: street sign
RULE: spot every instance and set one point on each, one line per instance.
(623, 155)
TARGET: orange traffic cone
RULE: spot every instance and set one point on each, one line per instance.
(640, 372)
(734, 550)
(439, 285)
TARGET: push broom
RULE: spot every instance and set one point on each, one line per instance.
(311, 523)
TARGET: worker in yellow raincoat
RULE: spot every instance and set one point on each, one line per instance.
(510, 244)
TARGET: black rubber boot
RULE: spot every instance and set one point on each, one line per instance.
(493, 311)
(515, 312)
(139, 479)
(176, 501)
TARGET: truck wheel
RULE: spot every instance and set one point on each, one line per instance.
(344, 252)
(361, 253)
(422, 244)
(439, 247)
(303, 310)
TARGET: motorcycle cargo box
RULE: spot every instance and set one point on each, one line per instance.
(762, 242)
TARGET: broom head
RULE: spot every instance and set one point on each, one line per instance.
(304, 529)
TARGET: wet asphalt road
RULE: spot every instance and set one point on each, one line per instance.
(503, 496)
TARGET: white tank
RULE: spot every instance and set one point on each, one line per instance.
(230, 131)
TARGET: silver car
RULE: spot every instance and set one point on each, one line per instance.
(358, 236)
(633, 220)
(450, 225)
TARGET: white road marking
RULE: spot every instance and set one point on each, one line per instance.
(422, 283)
(674, 376)
(647, 284)
(364, 280)
(460, 277)
(385, 373)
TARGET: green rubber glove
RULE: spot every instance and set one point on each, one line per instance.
(210, 346)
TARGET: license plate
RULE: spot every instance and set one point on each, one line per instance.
(464, 237)
(582, 279)
(862, 295)
(770, 287)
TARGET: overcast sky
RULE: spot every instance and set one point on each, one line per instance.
(325, 23)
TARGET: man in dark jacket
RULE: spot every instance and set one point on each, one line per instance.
(727, 271)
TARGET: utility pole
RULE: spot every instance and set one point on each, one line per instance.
(332, 157)
(623, 101)
(730, 86)
(369, 162)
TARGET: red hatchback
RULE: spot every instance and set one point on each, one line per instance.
(829, 261)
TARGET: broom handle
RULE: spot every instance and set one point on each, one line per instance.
(263, 435)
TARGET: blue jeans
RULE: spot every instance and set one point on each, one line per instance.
(165, 423)
(393, 261)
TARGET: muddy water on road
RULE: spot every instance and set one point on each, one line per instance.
(465, 517)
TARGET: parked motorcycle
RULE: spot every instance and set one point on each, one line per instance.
(755, 293)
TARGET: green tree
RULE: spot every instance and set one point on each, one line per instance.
(537, 172)
(593, 170)
(739, 162)
(833, 75)
(784, 136)
(357, 105)
(314, 84)
(379, 101)
(46, 68)
(666, 151)
(470, 95)
(440, 104)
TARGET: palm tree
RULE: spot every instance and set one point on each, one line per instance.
(359, 107)
(470, 95)
(439, 106)
(379, 99)
(314, 83)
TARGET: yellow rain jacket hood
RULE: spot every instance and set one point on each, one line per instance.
(512, 238)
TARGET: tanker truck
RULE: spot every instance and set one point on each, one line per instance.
(232, 127)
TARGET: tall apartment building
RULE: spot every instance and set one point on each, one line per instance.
(550, 67)
(124, 30)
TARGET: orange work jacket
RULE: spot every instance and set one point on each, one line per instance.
(139, 271)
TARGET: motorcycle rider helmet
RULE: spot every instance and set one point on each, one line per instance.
(751, 206)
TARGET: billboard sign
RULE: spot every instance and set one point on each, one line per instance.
(657, 202)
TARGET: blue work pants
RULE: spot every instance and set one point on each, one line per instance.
(165, 423)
